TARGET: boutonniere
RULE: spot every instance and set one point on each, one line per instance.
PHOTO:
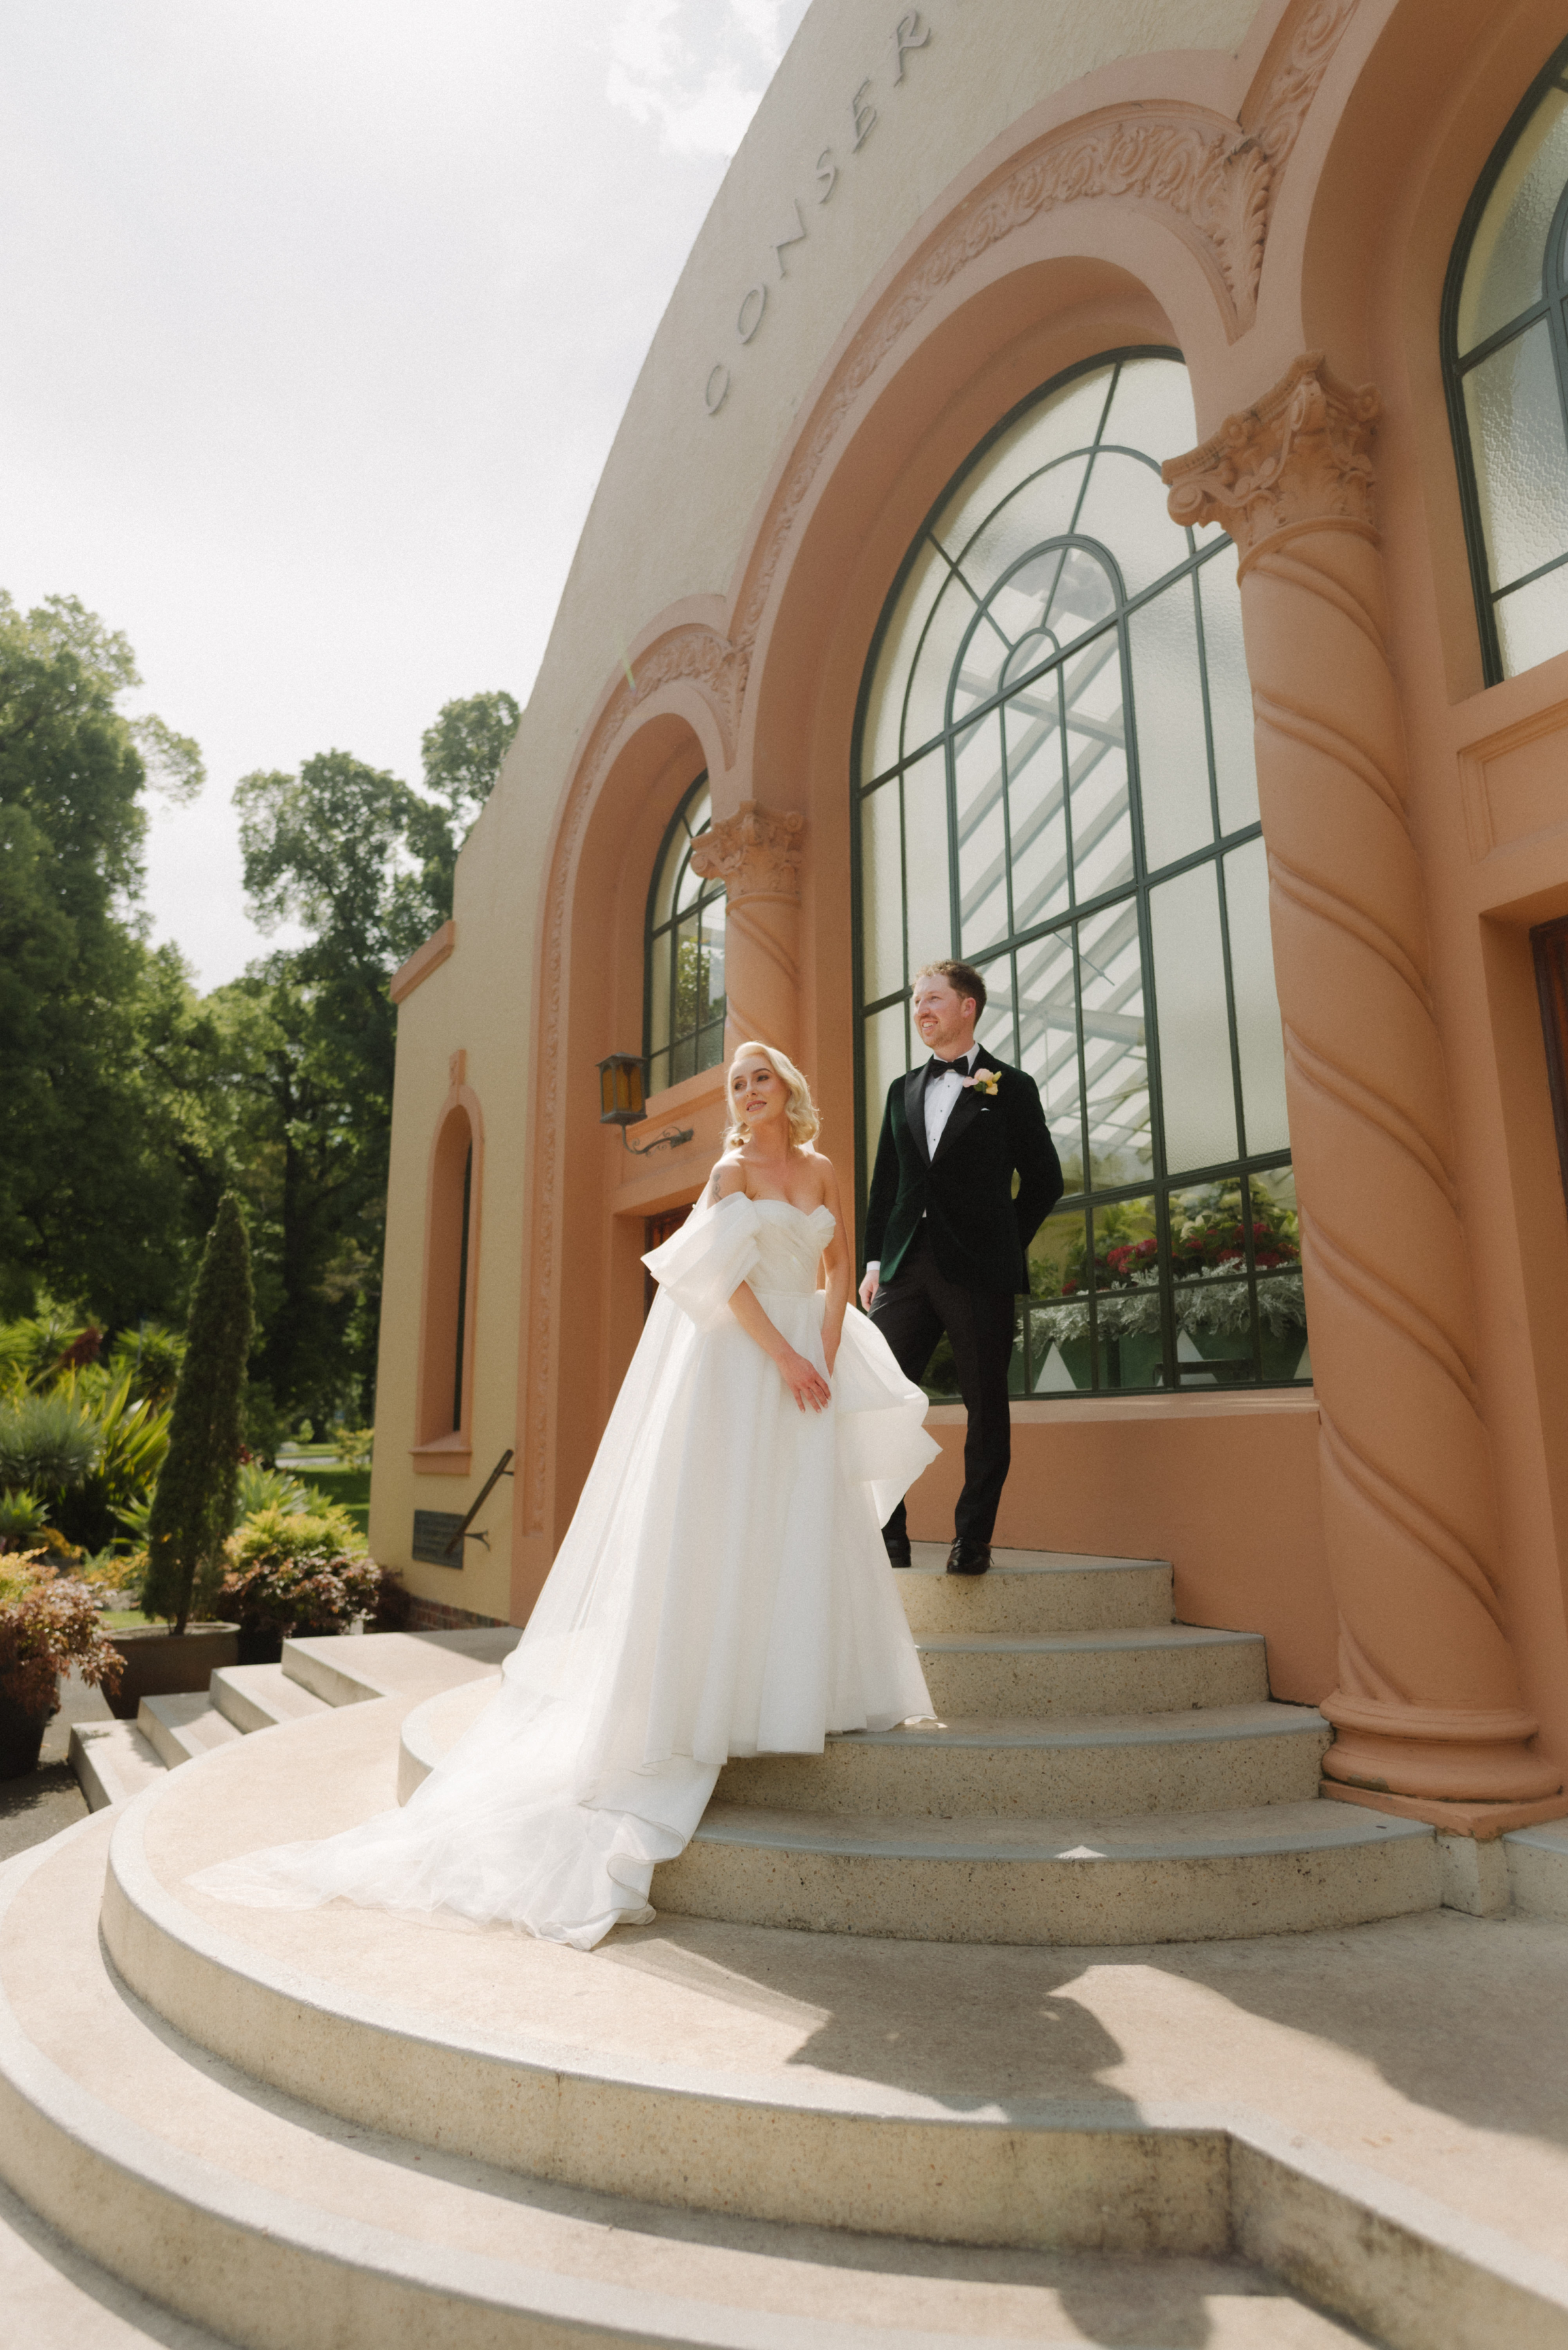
(983, 1081)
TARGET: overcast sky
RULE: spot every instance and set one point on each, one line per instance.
(320, 319)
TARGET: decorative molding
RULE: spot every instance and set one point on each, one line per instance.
(423, 961)
(756, 852)
(1212, 181)
(1298, 458)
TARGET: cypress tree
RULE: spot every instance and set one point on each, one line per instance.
(194, 1504)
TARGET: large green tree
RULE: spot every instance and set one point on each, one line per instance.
(84, 1135)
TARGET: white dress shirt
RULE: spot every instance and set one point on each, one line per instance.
(944, 1087)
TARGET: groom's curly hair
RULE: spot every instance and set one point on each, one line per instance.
(962, 977)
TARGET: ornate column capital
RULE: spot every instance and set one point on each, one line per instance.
(756, 852)
(1298, 459)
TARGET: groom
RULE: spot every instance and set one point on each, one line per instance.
(947, 1237)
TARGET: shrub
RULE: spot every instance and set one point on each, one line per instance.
(355, 1446)
(23, 1518)
(296, 1573)
(149, 1360)
(268, 1489)
(50, 1442)
(47, 1624)
(193, 1505)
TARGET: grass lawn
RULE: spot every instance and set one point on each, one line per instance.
(349, 1487)
(126, 1619)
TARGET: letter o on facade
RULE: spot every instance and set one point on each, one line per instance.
(716, 390)
(751, 309)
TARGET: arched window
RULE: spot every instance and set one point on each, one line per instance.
(1055, 781)
(445, 1411)
(1505, 356)
(683, 992)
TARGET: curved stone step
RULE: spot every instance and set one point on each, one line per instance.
(1035, 1593)
(1206, 1759)
(1160, 1669)
(258, 2215)
(1161, 1877)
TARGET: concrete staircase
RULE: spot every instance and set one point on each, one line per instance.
(342, 2131)
(1101, 1774)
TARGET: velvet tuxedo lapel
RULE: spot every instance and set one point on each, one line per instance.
(915, 1110)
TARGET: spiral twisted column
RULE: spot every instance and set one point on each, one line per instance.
(757, 852)
(1427, 1701)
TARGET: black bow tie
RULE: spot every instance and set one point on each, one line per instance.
(959, 1067)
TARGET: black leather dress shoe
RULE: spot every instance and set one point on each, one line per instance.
(898, 1550)
(968, 1557)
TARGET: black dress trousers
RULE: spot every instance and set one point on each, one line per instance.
(912, 1311)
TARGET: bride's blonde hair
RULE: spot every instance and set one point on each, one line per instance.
(804, 1121)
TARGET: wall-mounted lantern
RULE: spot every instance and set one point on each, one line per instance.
(621, 1104)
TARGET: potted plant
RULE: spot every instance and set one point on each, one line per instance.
(48, 1624)
(296, 1572)
(193, 1501)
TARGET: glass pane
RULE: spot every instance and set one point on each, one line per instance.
(925, 713)
(1230, 694)
(1115, 1058)
(1060, 1357)
(711, 929)
(1041, 508)
(1097, 769)
(1259, 1040)
(1037, 825)
(1195, 1084)
(688, 884)
(981, 837)
(1533, 623)
(1211, 1295)
(977, 672)
(1153, 407)
(659, 959)
(995, 1028)
(1173, 744)
(1515, 412)
(885, 1060)
(928, 910)
(882, 894)
(1048, 1043)
(1277, 1256)
(1124, 508)
(1069, 419)
(1502, 277)
(1127, 1309)
(1081, 595)
(879, 741)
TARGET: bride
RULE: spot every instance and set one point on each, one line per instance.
(723, 1587)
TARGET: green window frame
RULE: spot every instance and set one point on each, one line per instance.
(683, 959)
(1053, 777)
(1504, 341)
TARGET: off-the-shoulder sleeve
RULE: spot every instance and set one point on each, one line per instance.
(702, 1265)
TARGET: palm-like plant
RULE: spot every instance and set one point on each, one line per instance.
(47, 1441)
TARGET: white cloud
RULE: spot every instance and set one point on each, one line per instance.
(697, 68)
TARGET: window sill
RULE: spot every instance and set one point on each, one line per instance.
(443, 1456)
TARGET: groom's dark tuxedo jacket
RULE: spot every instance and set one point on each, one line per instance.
(979, 1233)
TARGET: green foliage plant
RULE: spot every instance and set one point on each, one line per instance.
(50, 1442)
(148, 1358)
(355, 1446)
(194, 1503)
(268, 1489)
(48, 1625)
(23, 1518)
(299, 1571)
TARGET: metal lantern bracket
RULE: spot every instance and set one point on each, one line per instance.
(621, 1104)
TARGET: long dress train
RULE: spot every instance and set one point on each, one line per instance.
(722, 1589)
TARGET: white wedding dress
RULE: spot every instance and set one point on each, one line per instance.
(722, 1589)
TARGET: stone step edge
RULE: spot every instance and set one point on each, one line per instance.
(1266, 1718)
(1006, 1841)
(170, 1724)
(97, 1752)
(1383, 2255)
(1131, 1639)
(1008, 1558)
